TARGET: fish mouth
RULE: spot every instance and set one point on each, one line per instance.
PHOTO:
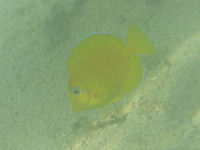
(75, 108)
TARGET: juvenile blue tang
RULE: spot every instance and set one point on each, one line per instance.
(101, 69)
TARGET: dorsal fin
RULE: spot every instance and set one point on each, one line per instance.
(136, 41)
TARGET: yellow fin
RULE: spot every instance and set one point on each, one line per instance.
(137, 42)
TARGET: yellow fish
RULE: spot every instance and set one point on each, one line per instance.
(101, 69)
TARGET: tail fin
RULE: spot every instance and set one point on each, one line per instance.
(136, 41)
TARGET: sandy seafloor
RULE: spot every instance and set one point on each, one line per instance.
(35, 112)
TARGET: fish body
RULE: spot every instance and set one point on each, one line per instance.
(102, 69)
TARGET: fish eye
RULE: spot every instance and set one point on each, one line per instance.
(76, 90)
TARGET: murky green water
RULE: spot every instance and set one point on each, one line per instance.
(35, 112)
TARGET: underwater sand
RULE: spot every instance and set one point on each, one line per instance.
(35, 111)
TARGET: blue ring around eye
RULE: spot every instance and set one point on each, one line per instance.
(76, 90)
